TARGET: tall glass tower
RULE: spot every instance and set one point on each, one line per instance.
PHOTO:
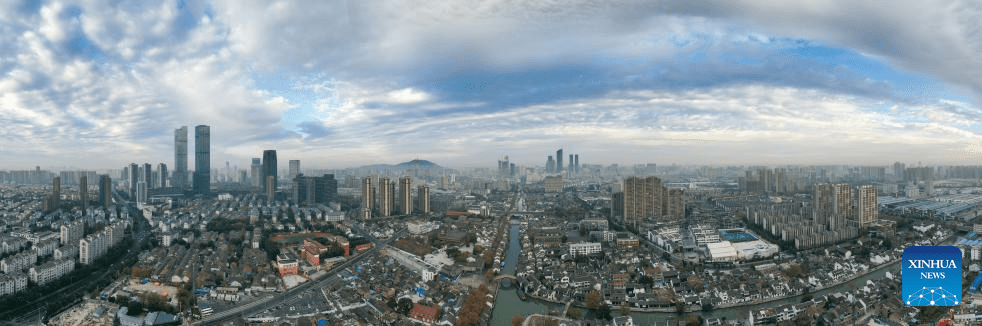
(269, 170)
(202, 159)
(180, 177)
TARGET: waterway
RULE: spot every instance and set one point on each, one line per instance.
(507, 303)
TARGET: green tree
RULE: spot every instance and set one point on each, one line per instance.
(404, 306)
(603, 312)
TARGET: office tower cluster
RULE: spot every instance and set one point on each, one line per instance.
(555, 166)
(506, 168)
(645, 199)
(384, 199)
(308, 191)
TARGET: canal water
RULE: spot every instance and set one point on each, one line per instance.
(507, 303)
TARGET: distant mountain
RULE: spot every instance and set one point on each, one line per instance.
(417, 164)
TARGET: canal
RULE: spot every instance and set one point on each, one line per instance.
(507, 303)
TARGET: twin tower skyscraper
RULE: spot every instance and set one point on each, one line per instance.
(201, 180)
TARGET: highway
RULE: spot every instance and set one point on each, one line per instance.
(254, 307)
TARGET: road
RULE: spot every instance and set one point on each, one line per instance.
(261, 304)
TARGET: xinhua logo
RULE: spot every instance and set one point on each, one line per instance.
(932, 276)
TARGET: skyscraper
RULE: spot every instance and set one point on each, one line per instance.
(868, 210)
(141, 192)
(256, 175)
(180, 177)
(569, 169)
(294, 169)
(406, 195)
(576, 162)
(202, 159)
(105, 191)
(559, 161)
(147, 175)
(642, 199)
(423, 196)
(550, 165)
(314, 190)
(134, 178)
(83, 192)
(367, 197)
(162, 173)
(269, 170)
(386, 196)
(53, 201)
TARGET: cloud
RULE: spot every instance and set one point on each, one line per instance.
(467, 81)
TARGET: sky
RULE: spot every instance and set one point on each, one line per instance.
(99, 84)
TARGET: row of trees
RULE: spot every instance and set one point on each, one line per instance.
(470, 313)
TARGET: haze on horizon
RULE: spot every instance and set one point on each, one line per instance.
(95, 84)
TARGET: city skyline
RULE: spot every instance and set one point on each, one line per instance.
(736, 83)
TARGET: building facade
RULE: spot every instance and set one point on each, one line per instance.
(202, 159)
(180, 177)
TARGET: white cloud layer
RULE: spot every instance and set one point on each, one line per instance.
(459, 82)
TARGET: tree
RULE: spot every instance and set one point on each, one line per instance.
(625, 309)
(404, 306)
(646, 280)
(603, 312)
(574, 313)
(134, 308)
(695, 283)
(593, 300)
(392, 303)
(517, 320)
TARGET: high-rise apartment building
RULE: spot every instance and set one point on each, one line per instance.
(56, 192)
(180, 177)
(673, 203)
(844, 200)
(269, 170)
(162, 175)
(367, 197)
(105, 191)
(642, 199)
(386, 196)
(83, 192)
(867, 209)
(423, 198)
(406, 195)
(833, 204)
(202, 159)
